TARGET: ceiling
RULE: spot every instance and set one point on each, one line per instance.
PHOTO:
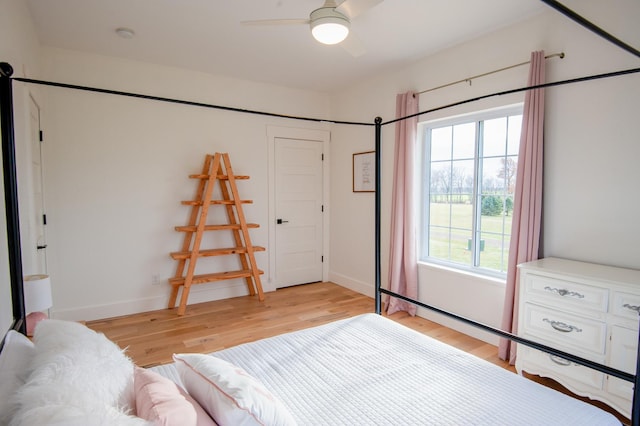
(206, 35)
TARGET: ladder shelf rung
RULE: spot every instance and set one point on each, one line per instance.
(226, 202)
(222, 177)
(217, 276)
(215, 227)
(214, 252)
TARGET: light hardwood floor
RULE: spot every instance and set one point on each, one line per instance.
(151, 338)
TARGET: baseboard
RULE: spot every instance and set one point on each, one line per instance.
(453, 324)
(134, 306)
(358, 286)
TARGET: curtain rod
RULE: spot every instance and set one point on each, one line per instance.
(183, 102)
(521, 89)
(468, 79)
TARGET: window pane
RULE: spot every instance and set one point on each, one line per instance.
(460, 252)
(491, 252)
(513, 137)
(494, 137)
(492, 218)
(508, 207)
(509, 172)
(462, 218)
(440, 213)
(450, 245)
(464, 141)
(439, 243)
(461, 181)
(499, 175)
(495, 228)
(450, 231)
(440, 184)
(441, 144)
(493, 181)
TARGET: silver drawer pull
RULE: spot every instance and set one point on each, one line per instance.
(560, 326)
(632, 307)
(564, 292)
(559, 360)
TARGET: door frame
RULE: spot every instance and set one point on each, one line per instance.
(40, 263)
(324, 136)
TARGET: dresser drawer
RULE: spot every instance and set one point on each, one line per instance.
(542, 363)
(626, 305)
(565, 293)
(564, 329)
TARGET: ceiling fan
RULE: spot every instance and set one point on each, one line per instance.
(330, 23)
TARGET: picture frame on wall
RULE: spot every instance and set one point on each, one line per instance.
(364, 171)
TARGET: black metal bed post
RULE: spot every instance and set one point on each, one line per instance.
(378, 131)
(590, 26)
(11, 196)
(635, 406)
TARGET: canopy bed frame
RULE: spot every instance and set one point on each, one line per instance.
(11, 196)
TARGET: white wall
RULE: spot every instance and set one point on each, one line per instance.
(117, 169)
(591, 147)
(20, 48)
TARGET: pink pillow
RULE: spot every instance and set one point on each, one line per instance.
(160, 400)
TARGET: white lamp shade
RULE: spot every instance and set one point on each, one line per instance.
(330, 32)
(37, 293)
(329, 26)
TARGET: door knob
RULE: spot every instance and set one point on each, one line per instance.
(280, 221)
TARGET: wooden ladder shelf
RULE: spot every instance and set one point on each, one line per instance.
(217, 168)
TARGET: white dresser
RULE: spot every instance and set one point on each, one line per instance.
(587, 310)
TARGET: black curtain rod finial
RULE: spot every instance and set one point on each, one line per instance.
(6, 69)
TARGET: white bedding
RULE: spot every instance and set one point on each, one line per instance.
(370, 370)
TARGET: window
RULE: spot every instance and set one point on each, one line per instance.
(468, 186)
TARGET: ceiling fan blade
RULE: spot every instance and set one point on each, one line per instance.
(353, 8)
(353, 45)
(276, 22)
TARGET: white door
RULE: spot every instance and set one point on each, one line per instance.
(298, 210)
(37, 221)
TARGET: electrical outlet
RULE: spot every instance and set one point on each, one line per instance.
(155, 279)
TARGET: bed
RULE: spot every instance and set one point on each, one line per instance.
(363, 370)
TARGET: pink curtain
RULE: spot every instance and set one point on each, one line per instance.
(403, 261)
(527, 206)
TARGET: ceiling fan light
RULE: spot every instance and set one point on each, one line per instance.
(329, 26)
(330, 32)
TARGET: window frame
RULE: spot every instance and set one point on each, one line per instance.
(424, 186)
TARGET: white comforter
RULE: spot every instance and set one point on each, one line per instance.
(369, 370)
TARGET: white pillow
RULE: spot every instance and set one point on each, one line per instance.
(68, 408)
(74, 363)
(15, 359)
(229, 394)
